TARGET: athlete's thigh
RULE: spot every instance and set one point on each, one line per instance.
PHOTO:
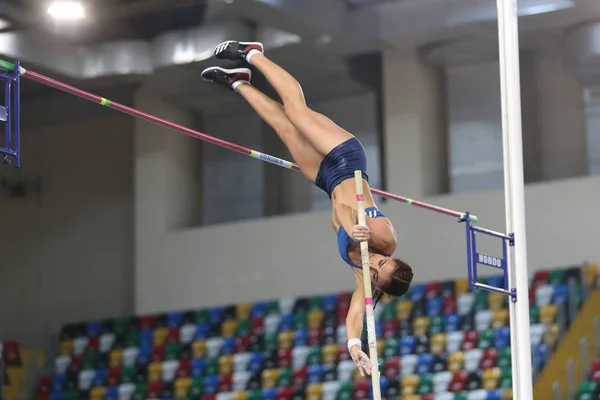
(305, 155)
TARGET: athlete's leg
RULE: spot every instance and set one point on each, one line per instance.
(273, 114)
(322, 133)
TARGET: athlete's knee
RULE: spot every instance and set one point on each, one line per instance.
(297, 111)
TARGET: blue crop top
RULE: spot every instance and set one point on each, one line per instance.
(344, 239)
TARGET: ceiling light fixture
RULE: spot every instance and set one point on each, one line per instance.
(66, 10)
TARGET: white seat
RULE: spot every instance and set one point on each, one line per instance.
(444, 396)
(187, 333)
(464, 303)
(543, 295)
(286, 306)
(130, 355)
(345, 370)
(240, 380)
(299, 356)
(441, 382)
(536, 333)
(330, 390)
(483, 319)
(408, 365)
(169, 370)
(472, 359)
(271, 323)
(106, 342)
(454, 341)
(240, 362)
(341, 334)
(85, 379)
(79, 345)
(61, 363)
(213, 347)
(126, 391)
(478, 394)
(224, 396)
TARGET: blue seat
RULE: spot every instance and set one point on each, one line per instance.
(502, 337)
(255, 364)
(407, 345)
(100, 377)
(330, 302)
(58, 381)
(434, 307)
(197, 367)
(424, 363)
(215, 315)
(112, 393)
(228, 346)
(560, 294)
(379, 328)
(147, 339)
(496, 281)
(202, 331)
(494, 394)
(58, 395)
(452, 323)
(286, 323)
(94, 328)
(301, 337)
(383, 383)
(269, 394)
(259, 310)
(144, 356)
(417, 292)
(174, 319)
(539, 358)
(211, 384)
(315, 374)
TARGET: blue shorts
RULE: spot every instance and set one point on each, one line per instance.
(340, 163)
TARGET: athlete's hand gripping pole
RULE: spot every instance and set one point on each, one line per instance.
(366, 269)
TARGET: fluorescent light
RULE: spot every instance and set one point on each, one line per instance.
(4, 23)
(66, 10)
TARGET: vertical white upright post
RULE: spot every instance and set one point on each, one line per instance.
(514, 188)
(366, 269)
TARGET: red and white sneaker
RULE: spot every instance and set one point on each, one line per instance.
(228, 77)
(235, 51)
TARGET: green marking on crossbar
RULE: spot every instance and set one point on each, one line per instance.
(6, 66)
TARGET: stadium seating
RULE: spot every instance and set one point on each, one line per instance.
(438, 342)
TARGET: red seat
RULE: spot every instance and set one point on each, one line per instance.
(257, 326)
(209, 397)
(114, 376)
(391, 367)
(285, 393)
(158, 353)
(183, 370)
(428, 397)
(241, 344)
(299, 377)
(343, 353)
(596, 365)
(42, 396)
(225, 383)
(342, 313)
(459, 380)
(596, 376)
(390, 329)
(343, 300)
(532, 295)
(540, 278)
(432, 290)
(470, 341)
(11, 354)
(45, 384)
(284, 358)
(488, 358)
(362, 389)
(93, 344)
(154, 390)
(147, 322)
(315, 336)
(449, 305)
(173, 336)
(75, 364)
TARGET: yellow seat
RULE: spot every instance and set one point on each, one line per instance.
(155, 371)
(314, 319)
(461, 286)
(496, 301)
(412, 397)
(437, 343)
(66, 347)
(455, 361)
(314, 391)
(182, 386)
(228, 328)
(380, 345)
(507, 394)
(286, 339)
(115, 358)
(548, 314)
(551, 335)
(330, 354)
(243, 311)
(420, 326)
(98, 393)
(226, 364)
(500, 318)
(240, 396)
(490, 378)
(409, 385)
(269, 378)
(199, 349)
(403, 310)
(590, 275)
(160, 336)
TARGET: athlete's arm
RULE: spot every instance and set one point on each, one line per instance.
(354, 324)
(346, 217)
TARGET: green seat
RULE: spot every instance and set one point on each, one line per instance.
(503, 359)
(461, 396)
(243, 328)
(481, 300)
(173, 351)
(285, 377)
(587, 387)
(202, 316)
(314, 356)
(556, 277)
(505, 378)
(486, 339)
(255, 394)
(271, 341)
(71, 394)
(140, 391)
(197, 388)
(388, 313)
(89, 360)
(120, 325)
(534, 314)
(585, 396)
(300, 320)
(272, 307)
(128, 374)
(436, 325)
(390, 349)
(425, 384)
(132, 339)
(315, 303)
(346, 391)
(212, 366)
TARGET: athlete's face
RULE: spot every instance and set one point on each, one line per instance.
(381, 269)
